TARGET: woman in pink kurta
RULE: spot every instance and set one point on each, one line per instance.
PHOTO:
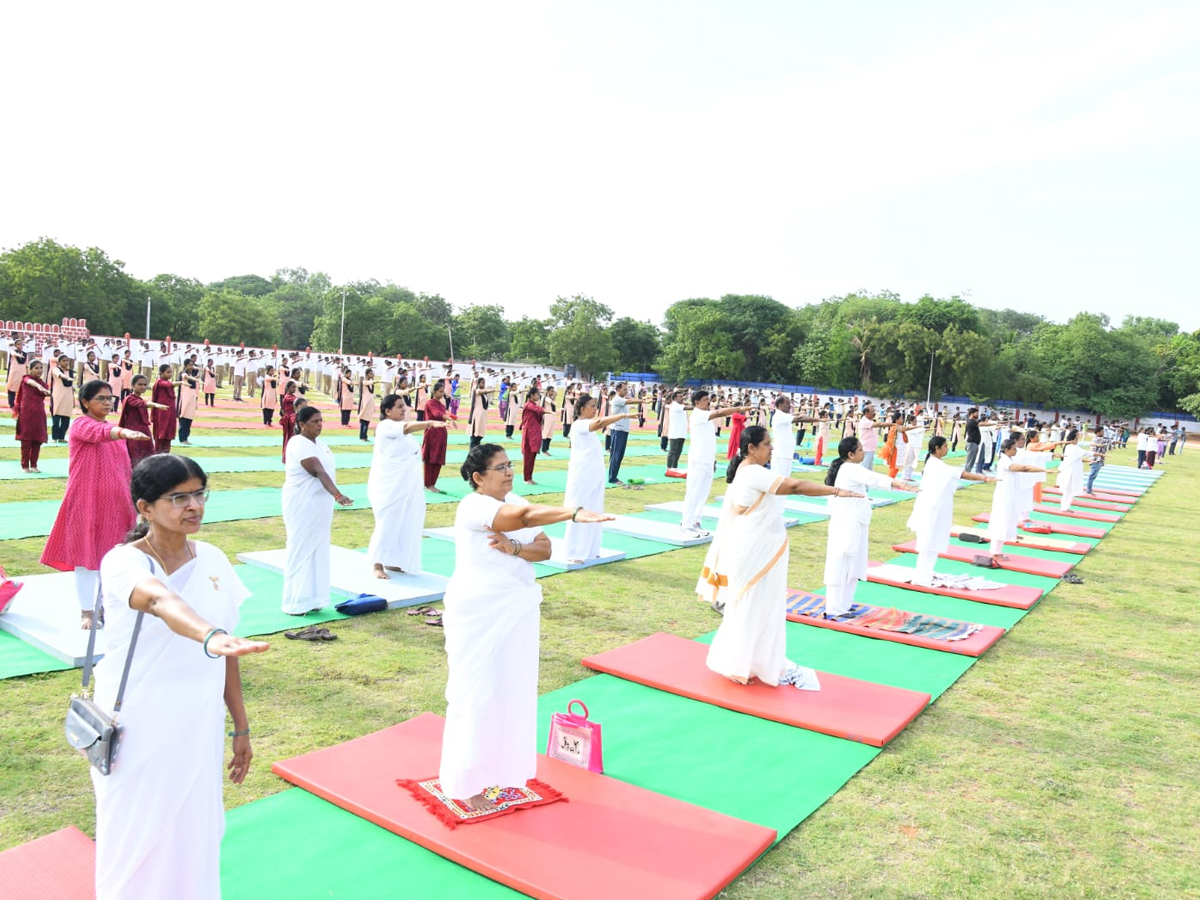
(165, 418)
(189, 396)
(96, 510)
(548, 420)
(210, 383)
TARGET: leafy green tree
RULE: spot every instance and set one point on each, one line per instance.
(480, 332)
(700, 344)
(175, 307)
(297, 308)
(530, 341)
(229, 317)
(636, 343)
(250, 285)
(412, 335)
(435, 308)
(567, 310)
(583, 343)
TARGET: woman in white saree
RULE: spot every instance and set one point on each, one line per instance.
(396, 491)
(492, 621)
(1007, 502)
(850, 525)
(585, 476)
(1070, 471)
(933, 511)
(745, 570)
(309, 493)
(160, 814)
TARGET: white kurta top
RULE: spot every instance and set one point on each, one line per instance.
(160, 814)
(307, 517)
(395, 488)
(1070, 473)
(933, 510)
(585, 487)
(1006, 501)
(846, 554)
(491, 624)
(783, 443)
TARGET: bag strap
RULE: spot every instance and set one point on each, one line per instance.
(581, 703)
(91, 649)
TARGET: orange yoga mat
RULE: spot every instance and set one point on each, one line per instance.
(1032, 541)
(1076, 514)
(1122, 503)
(847, 708)
(59, 866)
(974, 645)
(1056, 527)
(609, 840)
(1014, 596)
(1082, 502)
(1030, 565)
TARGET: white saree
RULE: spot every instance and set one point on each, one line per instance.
(746, 568)
(160, 814)
(933, 514)
(585, 487)
(492, 620)
(396, 491)
(307, 517)
(846, 554)
(1070, 475)
(1006, 503)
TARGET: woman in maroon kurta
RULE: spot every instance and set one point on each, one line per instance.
(135, 415)
(287, 417)
(433, 445)
(30, 410)
(165, 416)
(96, 510)
(532, 416)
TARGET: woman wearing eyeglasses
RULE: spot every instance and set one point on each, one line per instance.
(159, 813)
(492, 621)
(96, 511)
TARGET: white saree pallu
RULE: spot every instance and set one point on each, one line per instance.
(846, 552)
(492, 620)
(933, 514)
(307, 517)
(160, 814)
(585, 487)
(746, 569)
(1070, 474)
(396, 490)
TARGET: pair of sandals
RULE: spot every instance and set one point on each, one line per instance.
(311, 633)
(432, 616)
(1072, 578)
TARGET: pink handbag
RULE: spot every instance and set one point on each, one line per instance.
(575, 740)
(8, 589)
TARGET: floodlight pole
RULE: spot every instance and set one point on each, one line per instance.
(342, 333)
(929, 390)
(147, 318)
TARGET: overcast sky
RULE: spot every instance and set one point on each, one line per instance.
(1027, 155)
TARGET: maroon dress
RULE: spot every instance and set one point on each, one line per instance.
(135, 415)
(96, 511)
(287, 419)
(30, 407)
(165, 420)
(433, 445)
(532, 417)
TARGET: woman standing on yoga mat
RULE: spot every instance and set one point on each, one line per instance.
(394, 490)
(62, 398)
(189, 395)
(1070, 471)
(1008, 499)
(96, 511)
(30, 410)
(309, 493)
(135, 415)
(846, 552)
(532, 416)
(433, 446)
(270, 395)
(165, 418)
(585, 477)
(492, 621)
(159, 813)
(745, 570)
(287, 415)
(933, 511)
(479, 411)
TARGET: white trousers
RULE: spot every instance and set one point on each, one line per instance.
(85, 587)
(699, 483)
(839, 598)
(926, 560)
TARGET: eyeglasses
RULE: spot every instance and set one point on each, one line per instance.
(103, 398)
(503, 467)
(201, 497)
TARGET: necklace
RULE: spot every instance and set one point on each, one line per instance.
(166, 568)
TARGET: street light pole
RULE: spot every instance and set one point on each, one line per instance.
(450, 332)
(342, 333)
(147, 318)
(929, 390)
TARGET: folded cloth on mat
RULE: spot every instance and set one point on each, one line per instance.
(885, 618)
(904, 575)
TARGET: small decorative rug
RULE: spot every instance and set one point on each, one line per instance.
(506, 800)
(883, 618)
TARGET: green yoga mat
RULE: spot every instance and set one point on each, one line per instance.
(271, 847)
(872, 594)
(261, 613)
(673, 518)
(18, 658)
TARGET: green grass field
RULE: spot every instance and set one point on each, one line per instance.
(1063, 764)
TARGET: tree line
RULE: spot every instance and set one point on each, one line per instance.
(875, 342)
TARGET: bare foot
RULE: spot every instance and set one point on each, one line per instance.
(85, 619)
(479, 803)
(379, 573)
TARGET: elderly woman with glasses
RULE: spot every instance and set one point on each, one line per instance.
(96, 511)
(492, 621)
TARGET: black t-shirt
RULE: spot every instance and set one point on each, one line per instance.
(973, 436)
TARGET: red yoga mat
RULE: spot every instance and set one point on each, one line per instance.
(1076, 514)
(1015, 596)
(1056, 527)
(59, 866)
(974, 645)
(856, 710)
(610, 839)
(1030, 565)
(1122, 504)
(1093, 503)
(1036, 542)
